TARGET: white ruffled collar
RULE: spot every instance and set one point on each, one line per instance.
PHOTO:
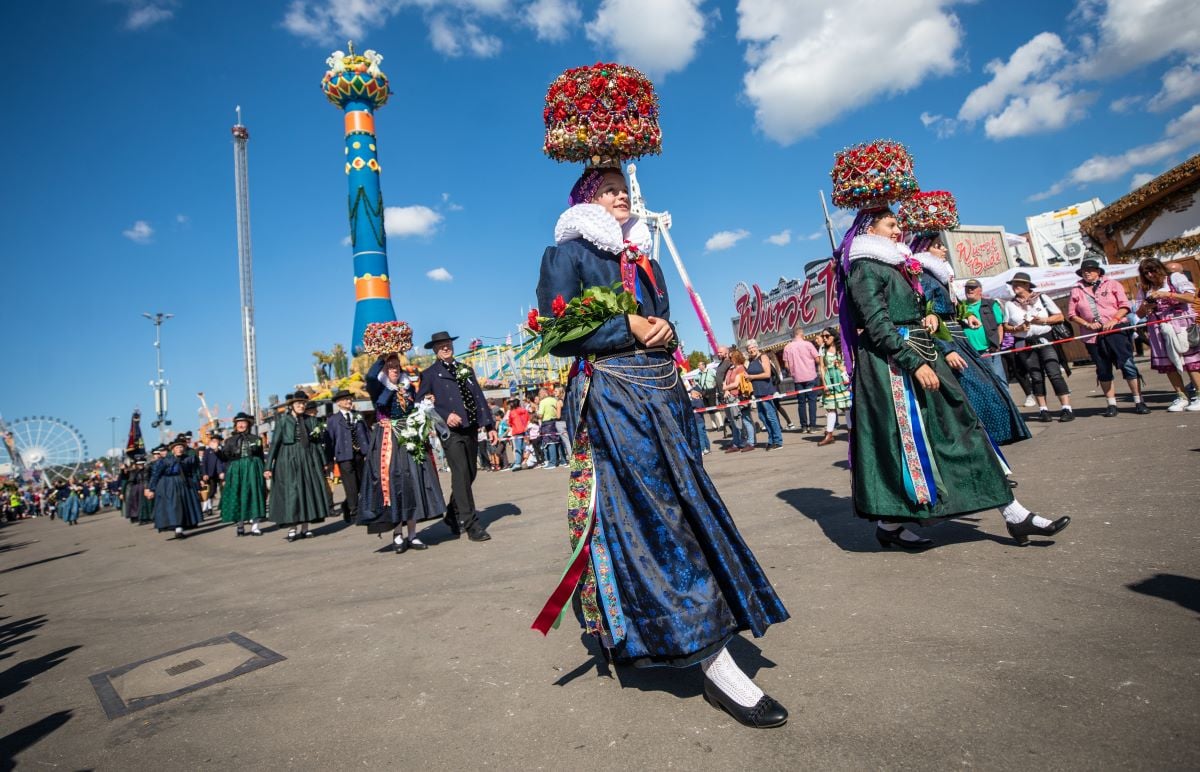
(593, 223)
(868, 246)
(939, 268)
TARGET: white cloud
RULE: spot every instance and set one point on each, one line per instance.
(1044, 107)
(143, 15)
(1025, 95)
(454, 25)
(813, 236)
(1040, 87)
(1140, 179)
(1029, 62)
(659, 37)
(402, 221)
(939, 124)
(781, 239)
(450, 205)
(1131, 33)
(842, 219)
(453, 38)
(139, 233)
(724, 240)
(1126, 103)
(347, 241)
(812, 61)
(552, 20)
(439, 274)
(182, 219)
(336, 20)
(1181, 134)
(1178, 84)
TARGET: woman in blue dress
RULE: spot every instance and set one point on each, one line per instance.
(664, 577)
(176, 501)
(986, 393)
(399, 487)
(69, 504)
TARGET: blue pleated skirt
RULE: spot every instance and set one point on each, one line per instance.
(673, 574)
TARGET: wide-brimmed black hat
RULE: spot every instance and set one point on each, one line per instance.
(299, 396)
(440, 337)
(1021, 276)
(243, 417)
(216, 437)
(159, 449)
(1089, 264)
(179, 440)
(342, 394)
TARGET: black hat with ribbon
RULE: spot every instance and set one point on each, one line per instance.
(440, 337)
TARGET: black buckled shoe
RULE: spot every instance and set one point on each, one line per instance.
(766, 713)
(887, 538)
(478, 534)
(1023, 530)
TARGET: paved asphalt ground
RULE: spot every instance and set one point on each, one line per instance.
(1081, 654)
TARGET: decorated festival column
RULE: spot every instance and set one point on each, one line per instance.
(357, 85)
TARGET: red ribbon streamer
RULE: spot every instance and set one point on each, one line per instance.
(548, 616)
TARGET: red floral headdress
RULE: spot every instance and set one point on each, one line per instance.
(927, 213)
(872, 174)
(602, 114)
(387, 338)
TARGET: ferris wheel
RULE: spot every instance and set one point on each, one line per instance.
(41, 446)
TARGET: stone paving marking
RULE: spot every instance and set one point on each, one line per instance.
(163, 677)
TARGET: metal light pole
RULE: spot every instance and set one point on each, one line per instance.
(160, 386)
(112, 440)
(661, 223)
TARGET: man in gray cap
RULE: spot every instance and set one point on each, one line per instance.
(983, 326)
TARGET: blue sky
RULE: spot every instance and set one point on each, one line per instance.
(118, 189)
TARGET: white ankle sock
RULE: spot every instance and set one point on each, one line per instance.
(1137, 398)
(1016, 513)
(889, 527)
(830, 421)
(729, 678)
(1111, 400)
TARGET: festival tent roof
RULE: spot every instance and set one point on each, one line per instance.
(1147, 221)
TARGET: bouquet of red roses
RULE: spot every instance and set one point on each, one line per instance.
(582, 316)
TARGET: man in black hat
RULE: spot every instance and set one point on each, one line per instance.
(459, 400)
(212, 471)
(1100, 305)
(345, 443)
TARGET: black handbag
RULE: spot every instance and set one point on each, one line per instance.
(1060, 330)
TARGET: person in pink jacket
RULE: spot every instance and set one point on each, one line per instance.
(1100, 305)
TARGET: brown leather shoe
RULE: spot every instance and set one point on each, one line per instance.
(828, 439)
